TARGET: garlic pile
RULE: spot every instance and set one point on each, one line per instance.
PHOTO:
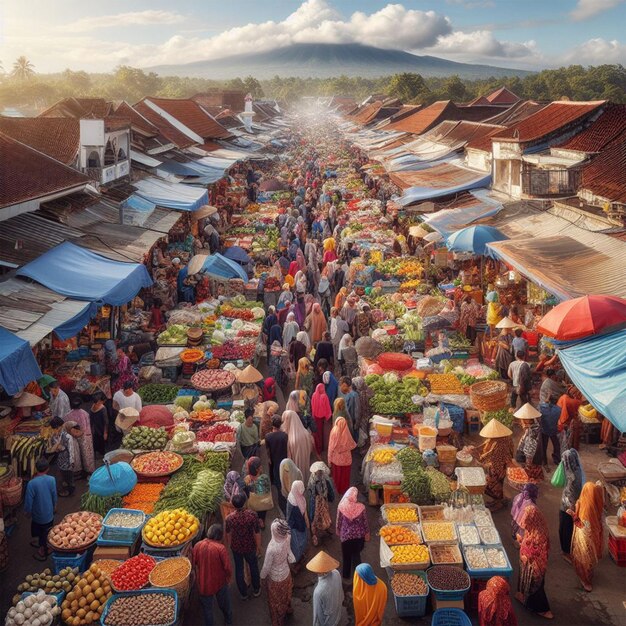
(37, 609)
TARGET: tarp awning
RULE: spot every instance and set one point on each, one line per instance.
(171, 195)
(78, 273)
(597, 367)
(221, 267)
(236, 253)
(144, 159)
(18, 366)
(138, 203)
(563, 266)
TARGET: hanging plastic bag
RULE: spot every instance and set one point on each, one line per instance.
(558, 478)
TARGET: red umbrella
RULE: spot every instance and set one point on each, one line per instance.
(583, 317)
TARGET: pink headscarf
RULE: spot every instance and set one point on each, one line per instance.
(320, 404)
(296, 495)
(349, 506)
(340, 444)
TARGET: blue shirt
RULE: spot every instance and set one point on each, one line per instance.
(41, 498)
(550, 414)
(519, 344)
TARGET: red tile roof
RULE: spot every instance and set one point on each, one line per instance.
(193, 116)
(611, 124)
(555, 117)
(366, 114)
(605, 176)
(502, 96)
(425, 118)
(27, 174)
(79, 108)
(137, 121)
(171, 133)
(59, 138)
(516, 112)
(479, 100)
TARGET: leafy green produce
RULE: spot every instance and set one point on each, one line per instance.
(502, 415)
(185, 402)
(417, 486)
(176, 334)
(100, 504)
(145, 438)
(206, 493)
(158, 393)
(392, 396)
(439, 485)
(410, 459)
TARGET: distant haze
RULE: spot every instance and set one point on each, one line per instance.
(329, 60)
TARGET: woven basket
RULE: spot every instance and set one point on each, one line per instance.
(181, 587)
(489, 395)
(11, 492)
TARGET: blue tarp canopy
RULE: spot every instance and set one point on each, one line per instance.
(81, 274)
(236, 253)
(18, 366)
(221, 267)
(73, 326)
(447, 221)
(139, 204)
(171, 195)
(474, 239)
(195, 169)
(597, 367)
(421, 194)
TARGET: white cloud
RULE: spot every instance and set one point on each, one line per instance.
(483, 45)
(588, 8)
(596, 52)
(473, 4)
(133, 18)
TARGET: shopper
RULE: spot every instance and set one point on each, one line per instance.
(352, 529)
(289, 473)
(276, 446)
(276, 572)
(527, 497)
(213, 573)
(85, 442)
(249, 435)
(328, 593)
(59, 400)
(127, 397)
(40, 502)
(299, 442)
(298, 519)
(369, 596)
(574, 480)
(320, 494)
(243, 536)
(65, 444)
(340, 446)
(494, 604)
(259, 488)
(99, 420)
(521, 379)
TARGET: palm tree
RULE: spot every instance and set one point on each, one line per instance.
(23, 68)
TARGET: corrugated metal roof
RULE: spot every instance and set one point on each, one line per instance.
(33, 311)
(436, 177)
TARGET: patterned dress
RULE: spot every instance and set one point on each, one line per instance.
(497, 455)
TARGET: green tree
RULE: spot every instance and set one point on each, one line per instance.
(23, 69)
(455, 90)
(76, 83)
(253, 87)
(407, 87)
(236, 83)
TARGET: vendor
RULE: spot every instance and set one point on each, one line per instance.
(529, 451)
(497, 453)
(59, 400)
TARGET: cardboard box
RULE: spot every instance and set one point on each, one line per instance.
(446, 604)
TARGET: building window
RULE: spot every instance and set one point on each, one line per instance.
(121, 155)
(109, 155)
(93, 160)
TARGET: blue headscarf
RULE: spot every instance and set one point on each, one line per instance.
(366, 573)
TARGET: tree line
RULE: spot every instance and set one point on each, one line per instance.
(23, 86)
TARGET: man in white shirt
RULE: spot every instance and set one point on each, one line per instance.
(127, 397)
(59, 400)
(521, 379)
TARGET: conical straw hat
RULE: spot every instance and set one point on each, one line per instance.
(527, 412)
(250, 375)
(28, 399)
(507, 322)
(322, 563)
(495, 429)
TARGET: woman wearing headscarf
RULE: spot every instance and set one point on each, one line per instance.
(85, 441)
(369, 595)
(497, 453)
(364, 393)
(275, 363)
(310, 253)
(300, 282)
(298, 402)
(352, 529)
(290, 330)
(315, 324)
(298, 519)
(300, 442)
(340, 298)
(294, 268)
(288, 473)
(256, 482)
(348, 357)
(233, 485)
(265, 411)
(338, 328)
(340, 410)
(527, 497)
(494, 604)
(340, 446)
(300, 260)
(533, 555)
(588, 537)
(269, 390)
(268, 323)
(320, 494)
(300, 310)
(574, 479)
(332, 386)
(363, 322)
(321, 412)
(285, 297)
(349, 310)
(276, 573)
(304, 376)
(504, 356)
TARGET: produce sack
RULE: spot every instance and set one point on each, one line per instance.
(558, 478)
(124, 480)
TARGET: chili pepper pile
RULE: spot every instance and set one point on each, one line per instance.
(134, 573)
(217, 432)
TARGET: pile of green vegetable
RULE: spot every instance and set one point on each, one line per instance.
(176, 334)
(417, 486)
(393, 396)
(206, 493)
(158, 393)
(439, 485)
(502, 415)
(410, 459)
(100, 504)
(145, 438)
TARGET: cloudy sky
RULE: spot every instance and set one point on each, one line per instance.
(97, 36)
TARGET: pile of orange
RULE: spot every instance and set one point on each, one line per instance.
(398, 534)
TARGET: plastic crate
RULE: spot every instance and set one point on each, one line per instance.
(410, 606)
(505, 572)
(446, 594)
(617, 549)
(82, 561)
(457, 415)
(117, 596)
(450, 617)
(59, 595)
(124, 536)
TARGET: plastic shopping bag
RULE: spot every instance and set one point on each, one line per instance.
(558, 479)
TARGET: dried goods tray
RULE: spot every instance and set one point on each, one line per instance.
(432, 513)
(400, 505)
(410, 606)
(438, 550)
(117, 596)
(385, 551)
(471, 528)
(453, 540)
(490, 571)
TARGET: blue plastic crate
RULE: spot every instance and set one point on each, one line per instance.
(445, 594)
(62, 560)
(450, 617)
(505, 572)
(125, 536)
(116, 596)
(410, 606)
(457, 415)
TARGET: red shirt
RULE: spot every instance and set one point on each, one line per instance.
(213, 569)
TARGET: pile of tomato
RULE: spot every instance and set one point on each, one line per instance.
(133, 574)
